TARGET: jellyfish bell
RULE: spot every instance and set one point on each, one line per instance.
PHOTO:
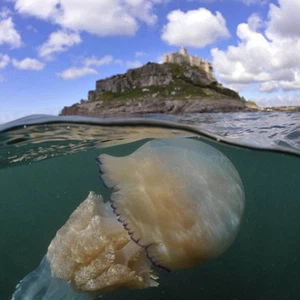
(180, 199)
(175, 203)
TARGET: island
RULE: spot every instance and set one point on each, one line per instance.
(182, 84)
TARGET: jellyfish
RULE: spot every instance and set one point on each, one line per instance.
(175, 203)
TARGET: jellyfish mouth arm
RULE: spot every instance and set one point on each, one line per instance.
(92, 254)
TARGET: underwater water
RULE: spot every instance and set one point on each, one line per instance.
(47, 170)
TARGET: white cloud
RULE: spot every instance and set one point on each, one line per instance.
(195, 28)
(4, 13)
(4, 60)
(266, 53)
(8, 33)
(284, 20)
(132, 64)
(40, 9)
(269, 86)
(73, 73)
(105, 17)
(31, 28)
(255, 22)
(140, 53)
(87, 63)
(279, 100)
(250, 2)
(294, 84)
(94, 61)
(247, 2)
(28, 64)
(58, 41)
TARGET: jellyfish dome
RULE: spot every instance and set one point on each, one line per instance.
(180, 199)
(175, 203)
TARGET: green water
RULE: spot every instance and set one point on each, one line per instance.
(263, 263)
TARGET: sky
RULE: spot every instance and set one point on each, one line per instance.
(53, 51)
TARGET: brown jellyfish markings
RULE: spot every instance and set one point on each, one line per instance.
(174, 202)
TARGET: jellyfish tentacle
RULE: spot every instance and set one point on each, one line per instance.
(40, 285)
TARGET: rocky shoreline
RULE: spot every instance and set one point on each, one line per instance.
(134, 108)
(138, 107)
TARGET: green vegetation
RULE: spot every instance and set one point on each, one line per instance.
(176, 70)
(252, 103)
(179, 91)
(179, 70)
(188, 82)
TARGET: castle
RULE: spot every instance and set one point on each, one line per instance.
(183, 57)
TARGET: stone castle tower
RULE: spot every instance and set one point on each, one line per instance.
(183, 57)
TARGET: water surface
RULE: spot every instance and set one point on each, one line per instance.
(48, 169)
(255, 128)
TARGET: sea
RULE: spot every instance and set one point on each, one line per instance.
(48, 167)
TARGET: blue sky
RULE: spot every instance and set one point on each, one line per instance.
(53, 51)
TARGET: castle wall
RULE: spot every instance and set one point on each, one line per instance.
(184, 57)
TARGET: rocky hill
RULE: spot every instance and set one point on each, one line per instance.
(157, 88)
